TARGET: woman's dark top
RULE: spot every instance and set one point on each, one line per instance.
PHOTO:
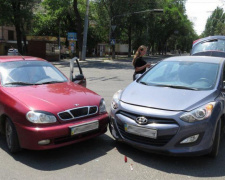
(139, 62)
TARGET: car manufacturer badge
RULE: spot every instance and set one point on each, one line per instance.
(142, 120)
(76, 104)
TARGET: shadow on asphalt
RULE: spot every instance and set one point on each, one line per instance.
(64, 157)
(108, 64)
(91, 150)
(199, 166)
(98, 64)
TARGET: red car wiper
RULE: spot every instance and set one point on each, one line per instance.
(19, 83)
(49, 82)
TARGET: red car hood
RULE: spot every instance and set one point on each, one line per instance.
(53, 98)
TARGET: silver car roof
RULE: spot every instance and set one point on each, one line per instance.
(209, 59)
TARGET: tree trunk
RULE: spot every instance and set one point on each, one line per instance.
(78, 28)
(129, 40)
(19, 38)
(17, 24)
(24, 41)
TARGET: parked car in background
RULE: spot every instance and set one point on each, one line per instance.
(12, 52)
(209, 46)
(177, 107)
(40, 108)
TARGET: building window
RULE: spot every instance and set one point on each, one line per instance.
(10, 35)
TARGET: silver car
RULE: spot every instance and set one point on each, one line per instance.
(176, 107)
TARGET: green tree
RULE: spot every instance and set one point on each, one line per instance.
(134, 24)
(215, 23)
(18, 13)
(64, 16)
(175, 31)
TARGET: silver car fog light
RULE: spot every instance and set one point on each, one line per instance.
(190, 139)
(44, 142)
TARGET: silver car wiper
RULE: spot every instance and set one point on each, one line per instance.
(19, 83)
(144, 83)
(177, 87)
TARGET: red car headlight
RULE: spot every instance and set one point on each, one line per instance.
(40, 117)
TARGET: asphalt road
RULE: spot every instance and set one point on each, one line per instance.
(102, 158)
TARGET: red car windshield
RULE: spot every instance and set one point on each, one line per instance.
(19, 73)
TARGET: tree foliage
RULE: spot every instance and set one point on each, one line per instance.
(136, 22)
(215, 24)
(18, 13)
(135, 26)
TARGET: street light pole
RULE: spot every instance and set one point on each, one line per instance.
(85, 31)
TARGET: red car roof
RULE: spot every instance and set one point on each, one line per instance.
(19, 58)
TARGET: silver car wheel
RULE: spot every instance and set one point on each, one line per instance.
(112, 130)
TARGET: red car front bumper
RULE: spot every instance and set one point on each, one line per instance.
(59, 135)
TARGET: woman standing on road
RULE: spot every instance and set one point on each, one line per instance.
(138, 62)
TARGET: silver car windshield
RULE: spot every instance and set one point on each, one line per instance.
(182, 75)
(212, 45)
(21, 73)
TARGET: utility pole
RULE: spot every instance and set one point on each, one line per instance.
(85, 31)
(59, 42)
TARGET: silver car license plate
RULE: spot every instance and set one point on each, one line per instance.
(85, 127)
(140, 131)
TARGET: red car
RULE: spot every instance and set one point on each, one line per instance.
(40, 108)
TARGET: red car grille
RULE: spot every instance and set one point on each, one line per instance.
(78, 112)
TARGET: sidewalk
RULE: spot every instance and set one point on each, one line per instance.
(126, 58)
(120, 58)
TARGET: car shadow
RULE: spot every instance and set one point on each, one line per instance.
(199, 166)
(64, 157)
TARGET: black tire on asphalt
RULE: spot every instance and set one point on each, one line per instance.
(216, 142)
(11, 137)
(112, 130)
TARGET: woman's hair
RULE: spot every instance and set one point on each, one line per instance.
(138, 53)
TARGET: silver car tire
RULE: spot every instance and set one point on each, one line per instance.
(113, 131)
(216, 142)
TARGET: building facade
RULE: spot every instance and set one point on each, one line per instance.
(7, 38)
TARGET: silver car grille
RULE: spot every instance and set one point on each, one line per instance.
(78, 112)
(160, 141)
(150, 119)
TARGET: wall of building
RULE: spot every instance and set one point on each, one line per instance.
(105, 49)
(5, 30)
(37, 49)
(44, 49)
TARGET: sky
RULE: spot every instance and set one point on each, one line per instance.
(198, 11)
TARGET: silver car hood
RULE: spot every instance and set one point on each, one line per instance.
(166, 98)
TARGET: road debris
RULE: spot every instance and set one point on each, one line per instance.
(125, 159)
(131, 167)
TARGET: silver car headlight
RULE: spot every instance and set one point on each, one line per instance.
(116, 99)
(40, 117)
(102, 108)
(199, 114)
